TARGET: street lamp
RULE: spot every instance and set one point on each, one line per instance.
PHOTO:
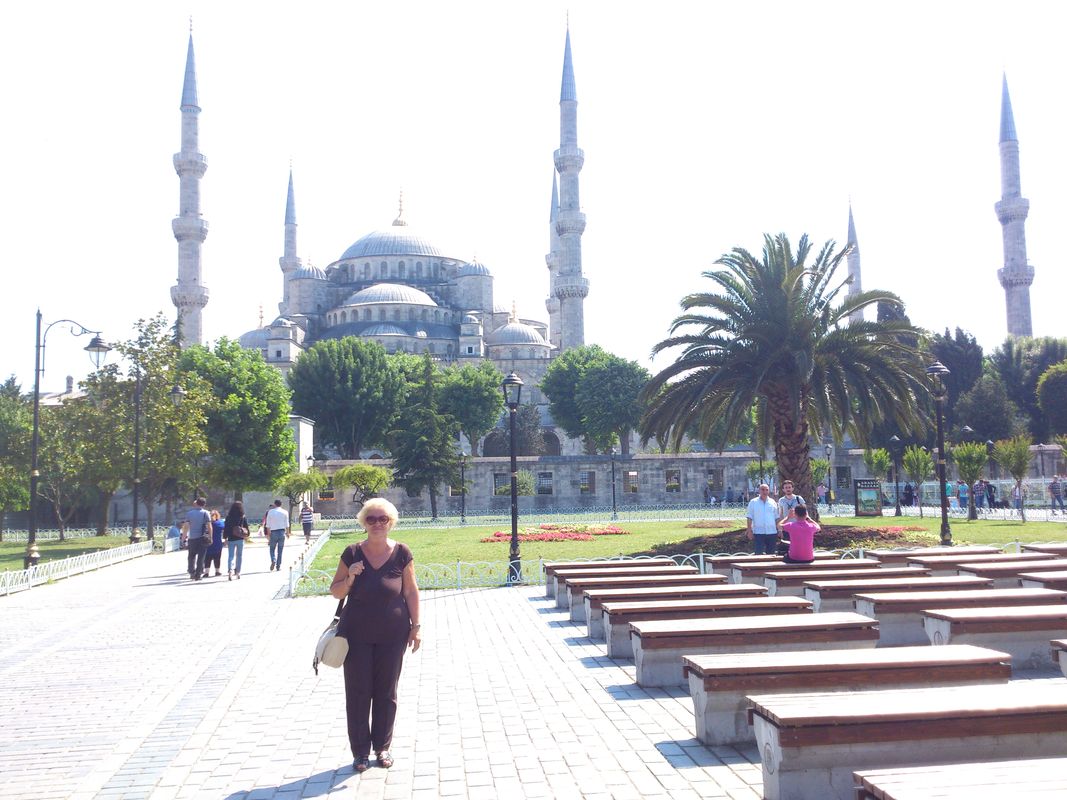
(614, 508)
(937, 372)
(97, 350)
(895, 447)
(512, 387)
(462, 487)
(989, 445)
(829, 450)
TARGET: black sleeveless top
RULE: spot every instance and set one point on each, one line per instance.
(375, 610)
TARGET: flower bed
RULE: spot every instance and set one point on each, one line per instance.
(558, 533)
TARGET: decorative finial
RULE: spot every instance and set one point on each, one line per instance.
(190, 24)
(400, 213)
(261, 315)
(514, 312)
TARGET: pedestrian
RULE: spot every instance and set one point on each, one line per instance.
(307, 520)
(820, 493)
(175, 530)
(213, 553)
(801, 531)
(197, 523)
(991, 494)
(277, 524)
(909, 494)
(978, 491)
(963, 492)
(235, 531)
(380, 620)
(1055, 491)
(762, 522)
(1016, 497)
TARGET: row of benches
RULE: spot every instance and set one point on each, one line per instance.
(763, 642)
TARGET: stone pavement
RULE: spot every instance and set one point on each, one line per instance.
(135, 682)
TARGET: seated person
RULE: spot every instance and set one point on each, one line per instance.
(801, 532)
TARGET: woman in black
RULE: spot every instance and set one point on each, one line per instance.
(380, 619)
(235, 531)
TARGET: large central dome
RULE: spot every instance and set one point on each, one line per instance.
(390, 293)
(397, 240)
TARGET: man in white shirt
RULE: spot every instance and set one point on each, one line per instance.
(762, 522)
(277, 522)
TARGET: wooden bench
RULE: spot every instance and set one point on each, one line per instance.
(1059, 654)
(1030, 778)
(1022, 631)
(595, 598)
(1007, 575)
(810, 744)
(755, 570)
(618, 616)
(575, 588)
(551, 567)
(1059, 549)
(899, 557)
(834, 595)
(719, 684)
(791, 584)
(941, 566)
(660, 645)
(899, 614)
(563, 575)
(723, 564)
(1056, 579)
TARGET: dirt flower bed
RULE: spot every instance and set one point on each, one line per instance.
(711, 523)
(558, 533)
(831, 537)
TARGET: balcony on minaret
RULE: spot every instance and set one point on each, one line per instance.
(186, 228)
(189, 295)
(569, 159)
(1016, 275)
(569, 286)
(190, 162)
(570, 223)
(1012, 209)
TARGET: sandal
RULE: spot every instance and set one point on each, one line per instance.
(385, 759)
(361, 764)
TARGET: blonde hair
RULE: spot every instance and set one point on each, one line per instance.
(215, 514)
(380, 505)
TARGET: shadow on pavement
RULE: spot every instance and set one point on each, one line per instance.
(317, 785)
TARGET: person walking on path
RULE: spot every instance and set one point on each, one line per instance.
(762, 522)
(213, 553)
(235, 531)
(307, 520)
(278, 525)
(380, 620)
(801, 532)
(1055, 492)
(197, 521)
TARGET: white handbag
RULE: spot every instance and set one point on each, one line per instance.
(331, 649)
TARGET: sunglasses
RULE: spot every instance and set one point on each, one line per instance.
(376, 520)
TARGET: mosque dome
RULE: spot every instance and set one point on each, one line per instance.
(384, 329)
(309, 271)
(396, 240)
(473, 267)
(516, 333)
(281, 322)
(470, 319)
(390, 293)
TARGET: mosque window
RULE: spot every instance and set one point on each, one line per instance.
(411, 315)
(470, 349)
(630, 482)
(673, 481)
(366, 270)
(424, 315)
(436, 270)
(429, 348)
(514, 353)
(544, 483)
(396, 314)
(381, 315)
(277, 353)
(418, 269)
(344, 317)
(587, 482)
(383, 270)
(402, 269)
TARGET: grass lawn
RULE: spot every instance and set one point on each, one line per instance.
(446, 546)
(12, 553)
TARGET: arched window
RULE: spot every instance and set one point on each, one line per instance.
(429, 349)
(396, 314)
(366, 270)
(418, 269)
(424, 315)
(402, 269)
(411, 315)
(344, 317)
(381, 315)
(552, 447)
(366, 313)
(436, 269)
(383, 270)
(514, 353)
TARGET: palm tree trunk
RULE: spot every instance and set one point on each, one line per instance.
(792, 452)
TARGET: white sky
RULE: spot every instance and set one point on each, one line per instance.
(704, 125)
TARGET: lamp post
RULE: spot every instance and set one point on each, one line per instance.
(829, 450)
(512, 387)
(937, 372)
(462, 488)
(614, 507)
(97, 350)
(135, 536)
(895, 446)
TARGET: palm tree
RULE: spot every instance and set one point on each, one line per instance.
(776, 335)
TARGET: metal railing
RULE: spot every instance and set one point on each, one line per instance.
(300, 570)
(52, 534)
(18, 580)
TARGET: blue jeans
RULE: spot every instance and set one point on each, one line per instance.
(764, 544)
(1056, 500)
(239, 546)
(277, 543)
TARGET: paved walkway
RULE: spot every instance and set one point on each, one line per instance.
(134, 682)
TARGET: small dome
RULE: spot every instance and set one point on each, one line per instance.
(384, 329)
(420, 334)
(309, 271)
(390, 293)
(473, 267)
(281, 322)
(470, 319)
(516, 333)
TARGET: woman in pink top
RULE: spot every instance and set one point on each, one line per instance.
(801, 533)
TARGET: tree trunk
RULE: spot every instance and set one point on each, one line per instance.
(150, 518)
(624, 441)
(791, 450)
(474, 445)
(433, 502)
(105, 512)
(972, 512)
(1022, 500)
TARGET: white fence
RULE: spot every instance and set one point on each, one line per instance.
(302, 567)
(52, 534)
(18, 580)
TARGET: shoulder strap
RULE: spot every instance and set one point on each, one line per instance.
(340, 608)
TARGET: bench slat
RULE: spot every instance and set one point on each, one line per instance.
(1046, 777)
(714, 588)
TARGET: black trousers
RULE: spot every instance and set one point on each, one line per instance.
(372, 672)
(197, 548)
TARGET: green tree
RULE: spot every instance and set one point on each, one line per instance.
(962, 354)
(609, 399)
(472, 396)
(777, 335)
(820, 468)
(16, 427)
(971, 459)
(529, 435)
(878, 462)
(60, 463)
(1020, 362)
(760, 473)
(351, 389)
(423, 443)
(365, 480)
(296, 485)
(1052, 396)
(1013, 455)
(560, 386)
(989, 412)
(919, 466)
(250, 443)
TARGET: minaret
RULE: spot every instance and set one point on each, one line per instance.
(853, 259)
(552, 260)
(288, 262)
(1016, 275)
(568, 285)
(189, 296)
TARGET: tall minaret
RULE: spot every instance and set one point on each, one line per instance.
(552, 260)
(568, 285)
(853, 259)
(288, 262)
(189, 296)
(1016, 275)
